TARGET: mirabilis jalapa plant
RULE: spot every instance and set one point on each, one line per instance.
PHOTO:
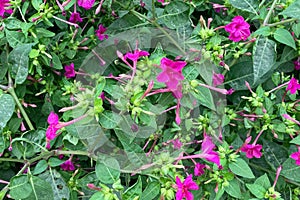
(90, 110)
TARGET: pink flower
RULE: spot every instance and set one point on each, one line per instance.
(177, 144)
(69, 71)
(3, 7)
(218, 79)
(293, 86)
(136, 55)
(100, 32)
(230, 91)
(86, 4)
(239, 29)
(52, 129)
(53, 118)
(207, 151)
(68, 165)
(296, 157)
(172, 75)
(75, 17)
(199, 169)
(297, 65)
(183, 188)
(252, 150)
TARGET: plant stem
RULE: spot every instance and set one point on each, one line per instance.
(281, 22)
(269, 13)
(12, 92)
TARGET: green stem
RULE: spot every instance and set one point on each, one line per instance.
(12, 92)
(282, 22)
(11, 160)
(261, 3)
(153, 10)
(269, 13)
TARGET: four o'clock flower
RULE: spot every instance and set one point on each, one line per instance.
(4, 4)
(69, 71)
(238, 29)
(207, 151)
(199, 169)
(100, 32)
(86, 4)
(252, 150)
(68, 165)
(293, 86)
(296, 157)
(218, 79)
(184, 187)
(75, 17)
(297, 64)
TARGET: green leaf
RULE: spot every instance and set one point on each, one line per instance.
(151, 191)
(176, 14)
(264, 56)
(264, 31)
(290, 170)
(293, 10)
(108, 171)
(296, 140)
(257, 190)
(275, 154)
(41, 33)
(18, 59)
(4, 66)
(246, 5)
(19, 187)
(40, 167)
(263, 181)
(134, 191)
(59, 186)
(109, 120)
(41, 190)
(284, 36)
(190, 72)
(233, 189)
(241, 168)
(7, 107)
(238, 74)
(56, 64)
(36, 4)
(204, 97)
(97, 196)
(14, 38)
(54, 162)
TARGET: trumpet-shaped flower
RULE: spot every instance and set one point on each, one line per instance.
(75, 17)
(100, 32)
(86, 4)
(68, 165)
(69, 71)
(252, 150)
(207, 151)
(296, 157)
(238, 29)
(293, 86)
(184, 187)
(3, 7)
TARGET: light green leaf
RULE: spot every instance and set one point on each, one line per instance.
(233, 189)
(36, 4)
(56, 64)
(40, 167)
(257, 190)
(263, 181)
(246, 5)
(108, 171)
(296, 140)
(284, 36)
(7, 107)
(176, 14)
(59, 186)
(19, 187)
(204, 97)
(54, 162)
(151, 191)
(41, 190)
(109, 120)
(241, 168)
(293, 10)
(14, 38)
(290, 170)
(134, 191)
(18, 60)
(264, 57)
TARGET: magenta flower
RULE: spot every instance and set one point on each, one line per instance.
(252, 150)
(75, 17)
(207, 151)
(297, 65)
(136, 55)
(238, 29)
(52, 129)
(172, 75)
(68, 165)
(86, 4)
(183, 188)
(296, 157)
(218, 79)
(100, 32)
(3, 7)
(69, 71)
(199, 169)
(177, 144)
(293, 86)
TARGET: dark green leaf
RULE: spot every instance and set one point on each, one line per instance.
(151, 191)
(54, 162)
(263, 181)
(109, 120)
(290, 170)
(246, 5)
(19, 187)
(14, 38)
(275, 154)
(7, 107)
(134, 191)
(283, 36)
(41, 190)
(108, 171)
(18, 60)
(241, 168)
(204, 97)
(264, 56)
(233, 189)
(238, 74)
(56, 64)
(176, 14)
(293, 10)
